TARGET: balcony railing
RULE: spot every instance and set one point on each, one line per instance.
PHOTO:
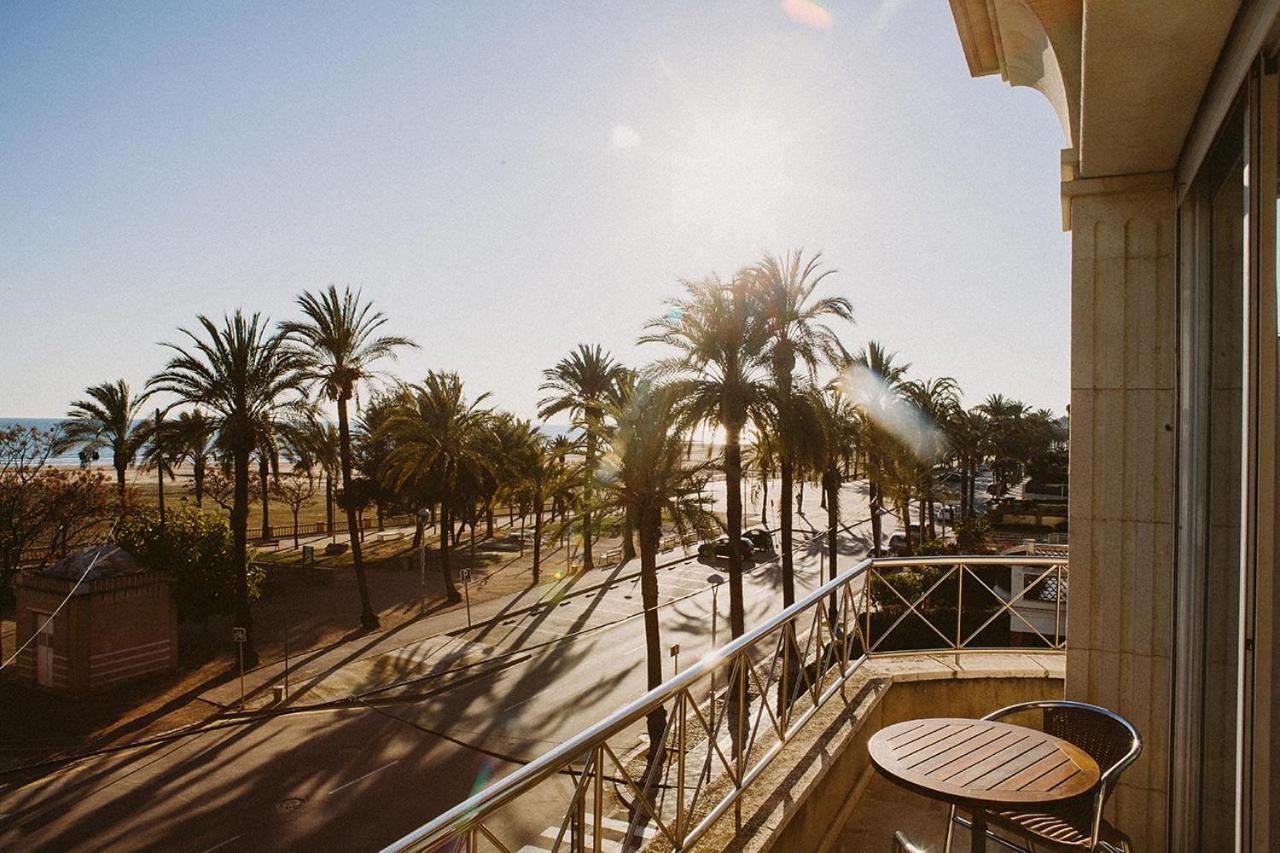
(720, 722)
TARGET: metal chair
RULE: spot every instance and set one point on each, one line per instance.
(1077, 824)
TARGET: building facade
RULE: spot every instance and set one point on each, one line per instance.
(1169, 189)
(96, 619)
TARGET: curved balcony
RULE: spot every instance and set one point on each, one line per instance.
(761, 743)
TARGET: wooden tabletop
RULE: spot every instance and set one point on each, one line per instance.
(982, 762)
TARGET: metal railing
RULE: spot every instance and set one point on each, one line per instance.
(720, 722)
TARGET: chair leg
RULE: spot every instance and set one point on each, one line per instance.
(951, 830)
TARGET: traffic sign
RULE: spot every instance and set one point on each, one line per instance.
(466, 577)
(239, 634)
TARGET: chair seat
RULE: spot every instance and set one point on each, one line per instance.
(1066, 827)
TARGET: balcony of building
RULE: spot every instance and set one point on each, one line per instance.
(764, 742)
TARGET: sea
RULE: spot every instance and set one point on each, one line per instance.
(71, 458)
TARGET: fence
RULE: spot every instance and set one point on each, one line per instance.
(718, 724)
(320, 528)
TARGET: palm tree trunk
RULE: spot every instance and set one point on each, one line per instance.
(239, 538)
(651, 532)
(832, 489)
(764, 499)
(160, 493)
(197, 474)
(446, 527)
(786, 521)
(628, 535)
(264, 472)
(488, 519)
(368, 618)
(537, 536)
(120, 466)
(733, 498)
(328, 502)
(877, 507)
(587, 563)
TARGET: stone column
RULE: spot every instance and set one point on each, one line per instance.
(1123, 481)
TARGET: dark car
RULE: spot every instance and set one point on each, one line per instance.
(719, 549)
(761, 540)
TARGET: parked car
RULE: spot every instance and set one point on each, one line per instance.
(898, 541)
(761, 540)
(719, 549)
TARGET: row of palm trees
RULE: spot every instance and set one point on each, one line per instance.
(756, 358)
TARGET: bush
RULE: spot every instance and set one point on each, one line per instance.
(196, 548)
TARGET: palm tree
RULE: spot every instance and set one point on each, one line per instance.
(837, 432)
(872, 382)
(795, 323)
(583, 383)
(534, 469)
(967, 432)
(1005, 439)
(193, 436)
(763, 455)
(647, 472)
(720, 347)
(936, 401)
(110, 418)
(316, 446)
(435, 436)
(162, 453)
(239, 374)
(338, 344)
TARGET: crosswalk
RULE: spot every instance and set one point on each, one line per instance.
(613, 833)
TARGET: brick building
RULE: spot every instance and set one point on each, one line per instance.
(120, 624)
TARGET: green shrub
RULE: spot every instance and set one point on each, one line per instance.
(196, 548)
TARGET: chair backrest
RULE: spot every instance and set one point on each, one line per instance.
(1106, 738)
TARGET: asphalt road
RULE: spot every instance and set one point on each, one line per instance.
(358, 778)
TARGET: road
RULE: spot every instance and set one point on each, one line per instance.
(357, 778)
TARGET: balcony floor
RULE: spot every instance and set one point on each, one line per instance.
(885, 808)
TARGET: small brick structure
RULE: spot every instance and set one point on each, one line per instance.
(119, 625)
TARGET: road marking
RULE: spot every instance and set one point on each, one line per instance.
(365, 776)
(223, 844)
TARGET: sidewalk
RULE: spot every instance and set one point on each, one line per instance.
(414, 648)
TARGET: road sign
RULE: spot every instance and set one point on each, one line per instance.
(675, 649)
(308, 554)
(466, 576)
(239, 634)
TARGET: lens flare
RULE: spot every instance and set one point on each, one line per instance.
(808, 13)
(915, 430)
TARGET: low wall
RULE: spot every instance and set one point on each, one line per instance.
(808, 792)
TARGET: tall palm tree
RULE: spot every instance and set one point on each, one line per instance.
(582, 383)
(647, 472)
(435, 436)
(837, 429)
(338, 345)
(872, 381)
(798, 334)
(241, 374)
(316, 446)
(109, 418)
(967, 432)
(720, 351)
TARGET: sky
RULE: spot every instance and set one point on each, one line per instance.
(507, 180)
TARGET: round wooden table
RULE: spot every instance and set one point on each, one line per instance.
(981, 764)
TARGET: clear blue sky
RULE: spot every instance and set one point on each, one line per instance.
(509, 179)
